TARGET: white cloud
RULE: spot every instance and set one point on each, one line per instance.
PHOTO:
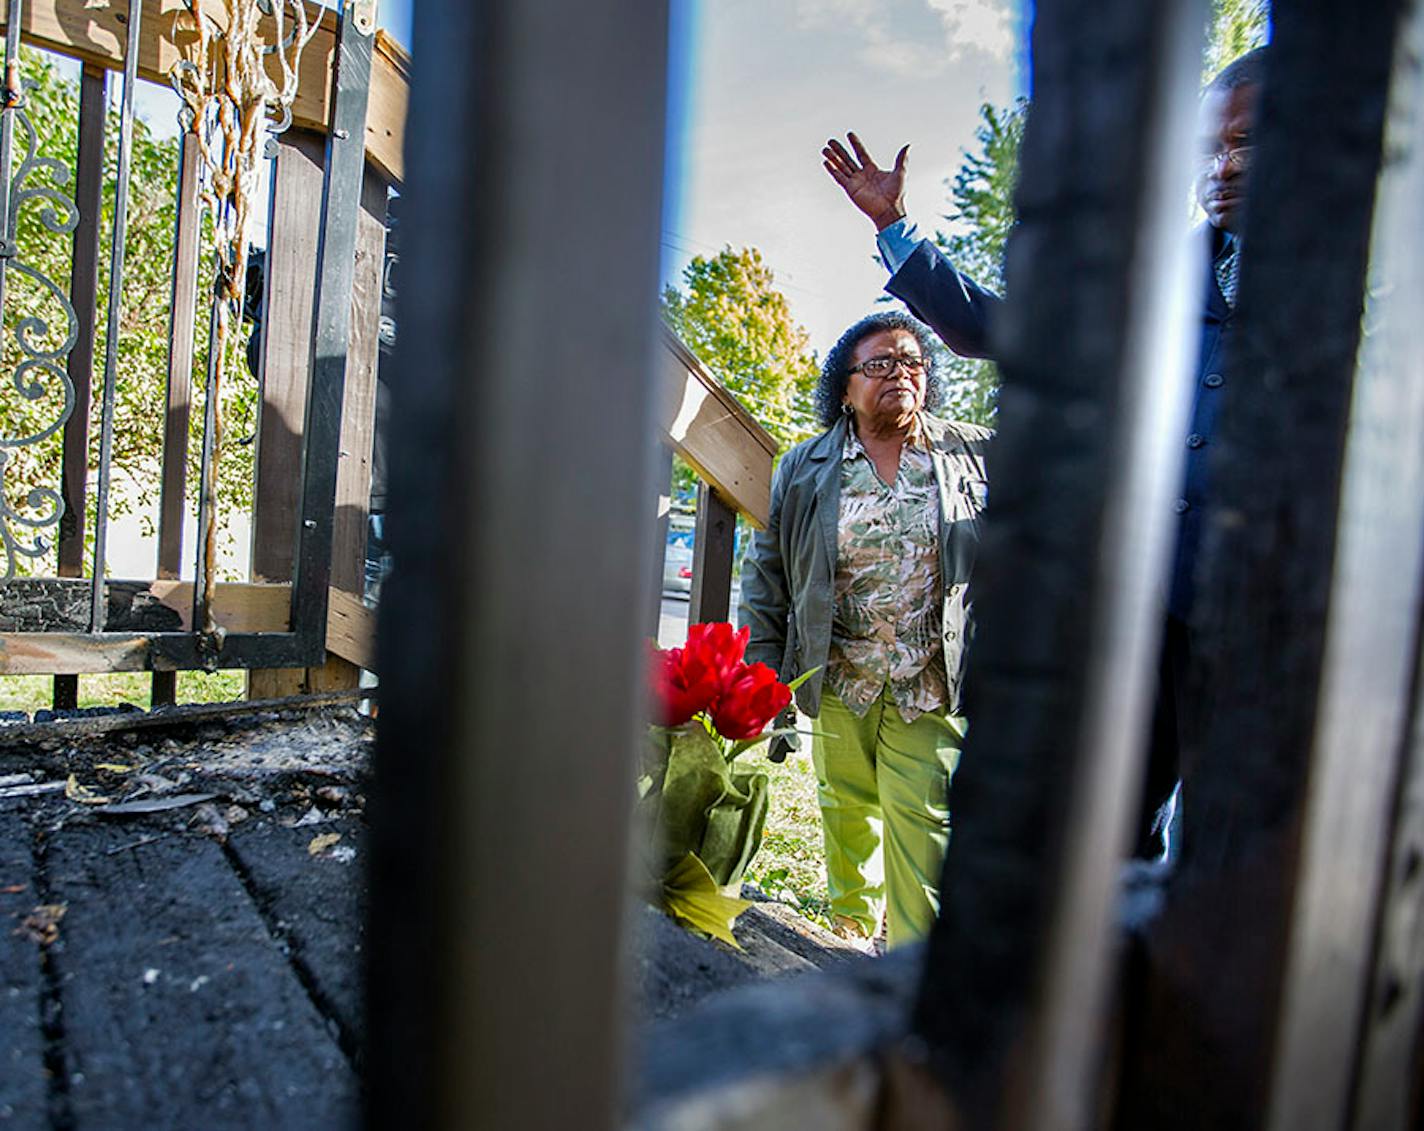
(897, 37)
(986, 25)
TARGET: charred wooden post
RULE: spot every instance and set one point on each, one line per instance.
(712, 550)
(1084, 470)
(1354, 950)
(521, 446)
(1263, 931)
(83, 289)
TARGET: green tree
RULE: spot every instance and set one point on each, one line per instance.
(730, 314)
(1236, 27)
(980, 217)
(981, 212)
(52, 107)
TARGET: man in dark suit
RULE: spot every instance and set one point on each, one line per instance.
(962, 313)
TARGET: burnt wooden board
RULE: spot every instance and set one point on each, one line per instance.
(316, 905)
(23, 1085)
(179, 1009)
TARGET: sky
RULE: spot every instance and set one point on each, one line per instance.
(767, 82)
(756, 87)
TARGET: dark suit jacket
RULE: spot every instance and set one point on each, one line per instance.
(962, 313)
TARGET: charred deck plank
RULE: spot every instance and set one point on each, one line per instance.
(179, 1009)
(22, 1047)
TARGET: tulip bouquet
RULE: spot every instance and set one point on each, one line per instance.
(707, 815)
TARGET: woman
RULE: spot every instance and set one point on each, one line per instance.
(862, 575)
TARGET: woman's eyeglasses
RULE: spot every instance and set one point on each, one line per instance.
(884, 366)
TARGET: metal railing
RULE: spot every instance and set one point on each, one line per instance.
(319, 358)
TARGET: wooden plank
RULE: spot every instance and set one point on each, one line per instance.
(706, 425)
(82, 30)
(294, 231)
(1219, 953)
(1354, 978)
(285, 353)
(238, 607)
(351, 630)
(503, 487)
(183, 311)
(1067, 587)
(169, 973)
(83, 291)
(358, 432)
(712, 549)
(24, 1084)
(180, 365)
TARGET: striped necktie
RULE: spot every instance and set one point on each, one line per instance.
(1228, 270)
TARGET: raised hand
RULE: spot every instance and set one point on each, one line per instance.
(879, 193)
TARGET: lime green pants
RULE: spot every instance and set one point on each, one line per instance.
(883, 785)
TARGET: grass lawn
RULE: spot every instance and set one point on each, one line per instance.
(791, 864)
(30, 693)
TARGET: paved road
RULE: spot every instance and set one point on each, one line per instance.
(672, 623)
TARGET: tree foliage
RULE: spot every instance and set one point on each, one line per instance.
(981, 215)
(730, 314)
(1236, 27)
(981, 193)
(52, 105)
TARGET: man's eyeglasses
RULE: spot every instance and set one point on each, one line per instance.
(884, 366)
(1239, 158)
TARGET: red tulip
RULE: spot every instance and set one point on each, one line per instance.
(682, 685)
(716, 646)
(751, 698)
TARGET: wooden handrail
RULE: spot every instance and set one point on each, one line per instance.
(709, 428)
(96, 35)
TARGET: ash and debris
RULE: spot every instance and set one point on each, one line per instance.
(214, 773)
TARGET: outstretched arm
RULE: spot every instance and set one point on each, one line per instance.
(955, 307)
(878, 193)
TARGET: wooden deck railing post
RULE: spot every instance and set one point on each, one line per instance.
(511, 650)
(663, 492)
(712, 550)
(1255, 968)
(83, 290)
(1077, 534)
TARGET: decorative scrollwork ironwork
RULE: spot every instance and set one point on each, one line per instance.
(40, 375)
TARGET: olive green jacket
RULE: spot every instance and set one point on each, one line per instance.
(788, 579)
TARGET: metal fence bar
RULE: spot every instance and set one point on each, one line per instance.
(331, 330)
(1084, 469)
(12, 96)
(509, 707)
(1333, 1005)
(111, 336)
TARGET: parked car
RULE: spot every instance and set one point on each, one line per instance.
(677, 557)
